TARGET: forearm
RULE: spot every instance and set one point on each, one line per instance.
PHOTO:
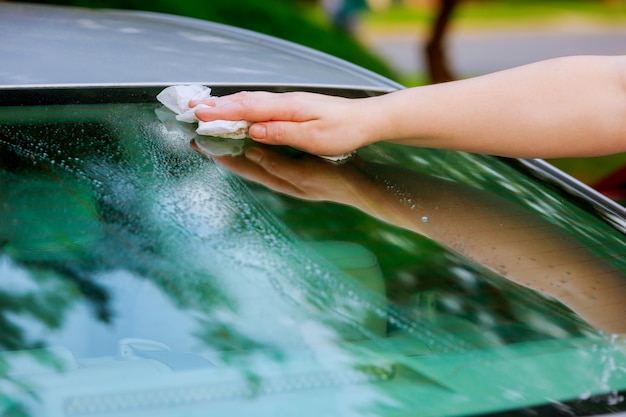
(564, 107)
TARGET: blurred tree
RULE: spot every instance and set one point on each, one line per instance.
(437, 60)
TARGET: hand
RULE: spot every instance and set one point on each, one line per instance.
(315, 123)
(304, 177)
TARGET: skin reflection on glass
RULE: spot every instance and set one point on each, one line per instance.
(482, 226)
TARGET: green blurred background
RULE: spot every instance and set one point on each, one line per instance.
(346, 28)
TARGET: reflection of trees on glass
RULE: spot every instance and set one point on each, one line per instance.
(46, 263)
(88, 199)
(103, 199)
(76, 204)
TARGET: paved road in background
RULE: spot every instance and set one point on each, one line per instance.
(477, 52)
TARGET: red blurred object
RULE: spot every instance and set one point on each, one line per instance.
(613, 185)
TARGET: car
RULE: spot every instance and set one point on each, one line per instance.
(149, 270)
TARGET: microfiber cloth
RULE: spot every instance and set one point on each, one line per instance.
(177, 97)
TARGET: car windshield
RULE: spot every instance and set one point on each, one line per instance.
(140, 275)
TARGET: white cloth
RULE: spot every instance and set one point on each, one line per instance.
(177, 97)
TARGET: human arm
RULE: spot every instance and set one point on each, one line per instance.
(563, 107)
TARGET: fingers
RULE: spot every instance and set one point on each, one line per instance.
(281, 118)
(194, 103)
(280, 133)
(315, 123)
(305, 136)
(252, 106)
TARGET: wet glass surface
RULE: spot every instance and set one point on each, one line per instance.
(140, 275)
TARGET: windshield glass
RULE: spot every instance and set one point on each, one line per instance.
(141, 275)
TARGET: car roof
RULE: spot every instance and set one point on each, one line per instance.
(62, 46)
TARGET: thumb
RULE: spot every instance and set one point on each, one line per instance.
(276, 133)
(300, 135)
